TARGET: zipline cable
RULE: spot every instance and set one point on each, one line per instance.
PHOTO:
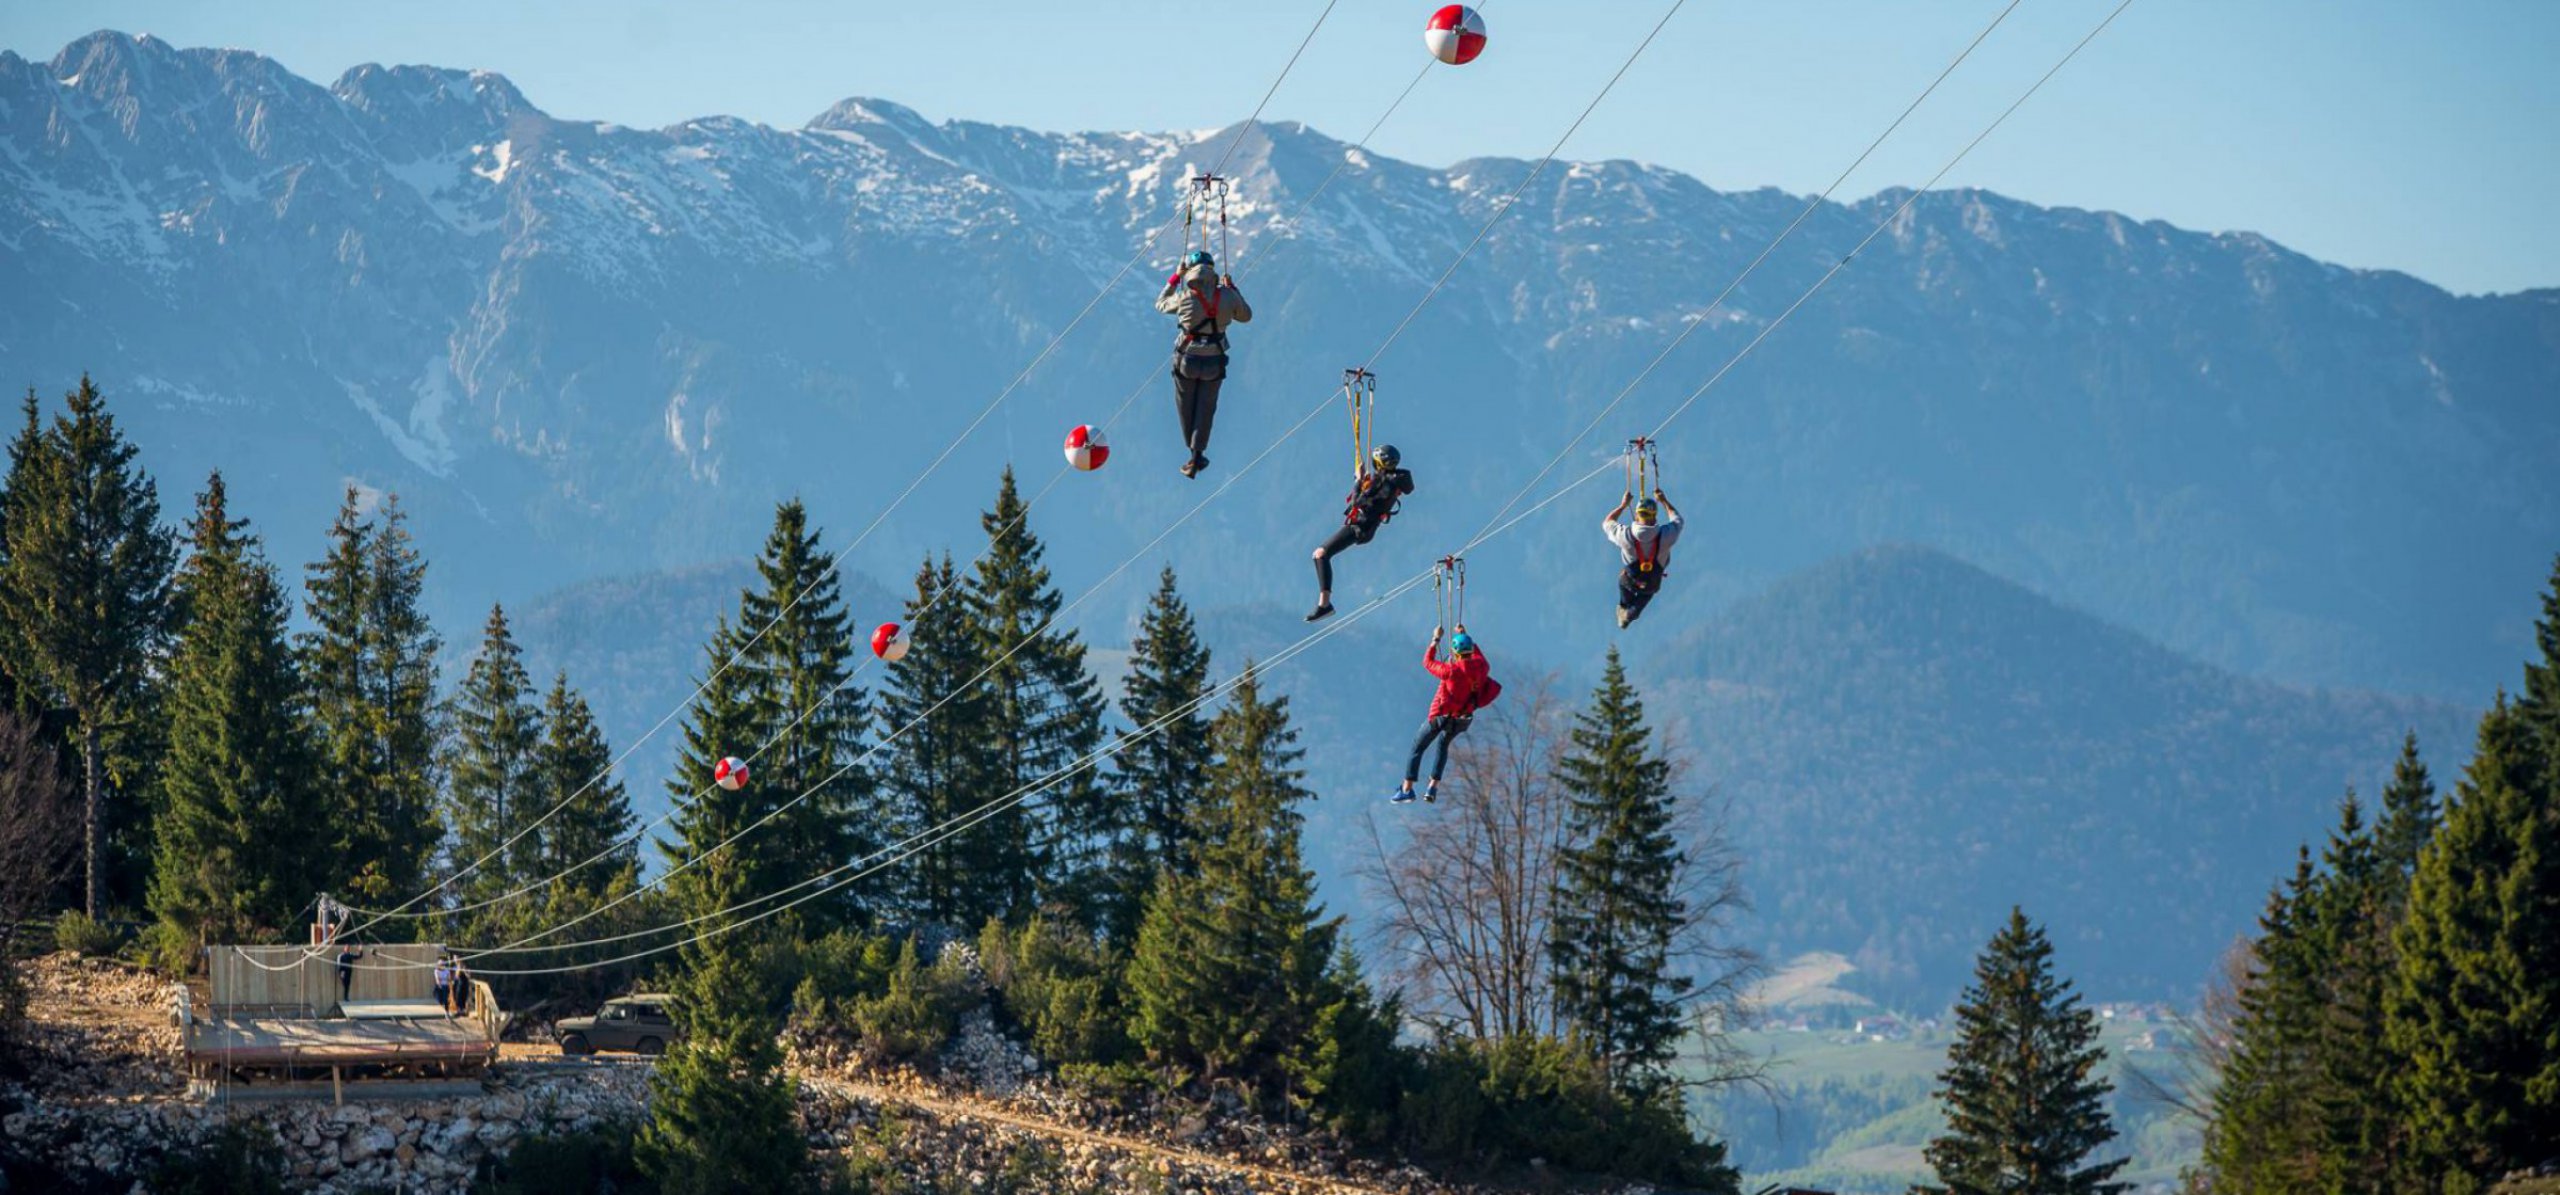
(1811, 206)
(1500, 210)
(1144, 250)
(1881, 226)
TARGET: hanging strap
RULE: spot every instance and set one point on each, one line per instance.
(1360, 393)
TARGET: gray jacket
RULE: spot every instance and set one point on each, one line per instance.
(1185, 298)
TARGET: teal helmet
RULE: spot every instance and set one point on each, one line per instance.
(1199, 257)
(1462, 643)
(1386, 456)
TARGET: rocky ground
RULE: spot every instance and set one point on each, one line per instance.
(104, 1103)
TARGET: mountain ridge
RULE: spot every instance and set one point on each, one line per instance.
(579, 350)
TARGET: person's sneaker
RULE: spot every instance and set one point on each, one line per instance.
(1402, 796)
(1322, 609)
(1431, 795)
(1199, 463)
(1624, 618)
(1190, 468)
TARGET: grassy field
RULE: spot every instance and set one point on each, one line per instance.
(1851, 1115)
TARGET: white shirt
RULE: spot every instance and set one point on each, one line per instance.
(1656, 539)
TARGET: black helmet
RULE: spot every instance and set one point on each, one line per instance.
(1386, 456)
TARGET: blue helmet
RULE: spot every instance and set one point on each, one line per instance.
(1462, 643)
(1199, 257)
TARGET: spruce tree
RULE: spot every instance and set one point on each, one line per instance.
(590, 845)
(720, 722)
(2409, 812)
(1229, 978)
(85, 591)
(235, 850)
(371, 663)
(2539, 704)
(2474, 1012)
(944, 765)
(1046, 711)
(1618, 912)
(2025, 1107)
(1160, 771)
(494, 793)
(2260, 1134)
(722, 1114)
(806, 718)
(2356, 1135)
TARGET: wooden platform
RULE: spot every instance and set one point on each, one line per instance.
(273, 1041)
(390, 1010)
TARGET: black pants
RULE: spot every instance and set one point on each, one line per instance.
(1446, 729)
(1636, 589)
(1196, 401)
(1342, 540)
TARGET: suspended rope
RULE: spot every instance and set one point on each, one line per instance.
(1208, 198)
(1144, 251)
(1887, 222)
(1360, 391)
(1449, 585)
(1644, 468)
(1701, 319)
(1500, 210)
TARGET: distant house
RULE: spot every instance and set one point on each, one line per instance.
(1881, 1027)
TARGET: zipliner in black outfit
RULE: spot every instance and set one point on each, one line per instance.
(1373, 501)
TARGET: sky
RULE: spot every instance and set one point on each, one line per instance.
(2409, 136)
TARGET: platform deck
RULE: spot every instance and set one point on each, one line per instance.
(263, 1041)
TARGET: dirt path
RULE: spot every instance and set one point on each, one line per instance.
(963, 1109)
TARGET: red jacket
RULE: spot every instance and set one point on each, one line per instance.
(1466, 682)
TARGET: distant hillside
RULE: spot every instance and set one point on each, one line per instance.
(1910, 745)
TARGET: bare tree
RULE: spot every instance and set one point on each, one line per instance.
(1466, 894)
(39, 837)
(2186, 1082)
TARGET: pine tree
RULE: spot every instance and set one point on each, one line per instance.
(722, 1116)
(1163, 767)
(1618, 911)
(2539, 704)
(806, 718)
(2259, 1138)
(2355, 1134)
(85, 594)
(235, 850)
(2025, 1107)
(944, 765)
(371, 662)
(2409, 812)
(590, 845)
(1046, 710)
(1229, 978)
(494, 794)
(722, 718)
(2474, 1011)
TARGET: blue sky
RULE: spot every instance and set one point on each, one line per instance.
(2413, 136)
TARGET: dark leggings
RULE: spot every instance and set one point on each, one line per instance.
(1196, 400)
(1342, 540)
(1446, 728)
(1635, 591)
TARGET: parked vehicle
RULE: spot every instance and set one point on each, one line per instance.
(637, 1023)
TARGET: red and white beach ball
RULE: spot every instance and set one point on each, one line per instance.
(731, 773)
(889, 642)
(1455, 35)
(1086, 449)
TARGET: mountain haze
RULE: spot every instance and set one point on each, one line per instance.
(581, 350)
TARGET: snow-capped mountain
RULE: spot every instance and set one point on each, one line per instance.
(577, 349)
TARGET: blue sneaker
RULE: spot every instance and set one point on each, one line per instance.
(1402, 796)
